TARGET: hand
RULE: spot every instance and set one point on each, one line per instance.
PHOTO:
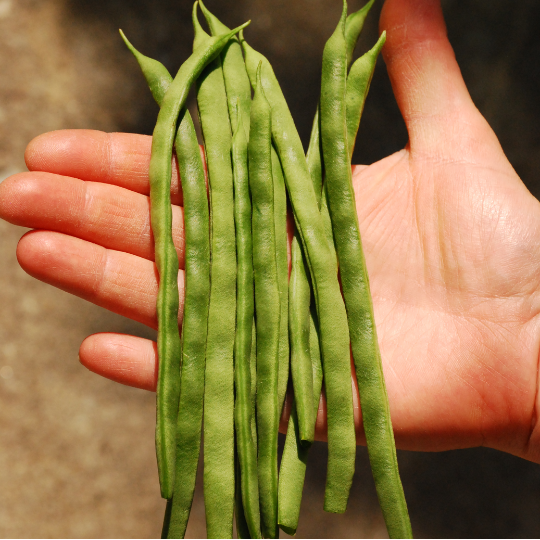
(450, 232)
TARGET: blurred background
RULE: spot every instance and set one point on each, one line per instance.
(76, 451)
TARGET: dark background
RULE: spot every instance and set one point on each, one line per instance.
(76, 451)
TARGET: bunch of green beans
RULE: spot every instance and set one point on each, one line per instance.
(245, 323)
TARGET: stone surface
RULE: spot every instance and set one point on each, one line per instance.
(77, 452)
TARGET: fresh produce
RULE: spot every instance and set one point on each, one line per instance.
(243, 320)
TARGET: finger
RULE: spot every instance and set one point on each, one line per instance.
(425, 76)
(129, 360)
(110, 216)
(119, 282)
(120, 159)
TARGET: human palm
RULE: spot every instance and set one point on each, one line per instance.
(450, 233)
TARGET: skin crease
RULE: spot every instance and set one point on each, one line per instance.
(451, 237)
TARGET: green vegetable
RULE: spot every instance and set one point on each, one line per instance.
(219, 483)
(330, 306)
(354, 279)
(299, 321)
(169, 347)
(280, 223)
(194, 335)
(243, 409)
(267, 306)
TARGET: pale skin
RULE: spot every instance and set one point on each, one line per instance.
(451, 238)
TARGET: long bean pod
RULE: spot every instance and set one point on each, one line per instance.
(354, 279)
(219, 483)
(194, 328)
(330, 306)
(294, 459)
(238, 90)
(280, 224)
(169, 346)
(197, 287)
(293, 462)
(245, 309)
(299, 300)
(267, 306)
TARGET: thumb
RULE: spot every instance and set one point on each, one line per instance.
(425, 76)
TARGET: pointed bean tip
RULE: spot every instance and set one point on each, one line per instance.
(238, 30)
(128, 43)
(380, 42)
(207, 14)
(126, 40)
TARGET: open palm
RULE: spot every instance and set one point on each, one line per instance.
(450, 232)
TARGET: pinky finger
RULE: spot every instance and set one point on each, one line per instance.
(129, 360)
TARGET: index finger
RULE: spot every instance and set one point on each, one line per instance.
(119, 159)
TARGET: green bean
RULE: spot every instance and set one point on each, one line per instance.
(197, 269)
(330, 306)
(354, 279)
(280, 223)
(292, 472)
(238, 91)
(169, 346)
(294, 459)
(358, 83)
(246, 449)
(219, 384)
(267, 306)
(299, 299)
(196, 227)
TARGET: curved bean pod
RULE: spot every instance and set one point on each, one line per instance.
(169, 346)
(219, 483)
(293, 462)
(195, 321)
(354, 279)
(330, 306)
(267, 306)
(245, 308)
(299, 320)
(282, 262)
(194, 329)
